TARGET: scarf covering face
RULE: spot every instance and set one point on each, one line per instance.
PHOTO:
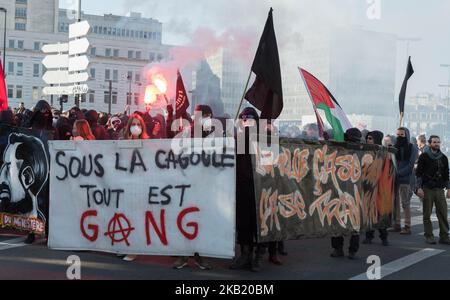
(404, 147)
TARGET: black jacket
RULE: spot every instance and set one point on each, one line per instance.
(432, 171)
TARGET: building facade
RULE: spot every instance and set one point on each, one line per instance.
(357, 66)
(232, 72)
(121, 49)
(429, 114)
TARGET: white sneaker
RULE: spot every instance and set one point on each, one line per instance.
(130, 257)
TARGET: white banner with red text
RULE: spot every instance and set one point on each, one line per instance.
(143, 197)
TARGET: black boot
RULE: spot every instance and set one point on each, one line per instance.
(256, 262)
(244, 260)
(338, 253)
(281, 249)
(30, 239)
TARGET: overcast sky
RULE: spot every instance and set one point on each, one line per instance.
(427, 20)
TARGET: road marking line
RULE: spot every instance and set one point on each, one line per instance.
(13, 243)
(403, 263)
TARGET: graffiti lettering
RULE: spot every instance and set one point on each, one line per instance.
(272, 205)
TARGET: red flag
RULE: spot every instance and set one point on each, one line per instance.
(182, 101)
(3, 94)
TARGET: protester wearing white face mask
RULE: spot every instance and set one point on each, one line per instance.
(135, 130)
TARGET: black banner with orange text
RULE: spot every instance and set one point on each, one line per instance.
(318, 189)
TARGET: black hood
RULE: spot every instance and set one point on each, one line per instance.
(377, 137)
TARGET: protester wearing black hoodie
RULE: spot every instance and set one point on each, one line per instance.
(433, 177)
(376, 138)
(353, 135)
(246, 223)
(406, 157)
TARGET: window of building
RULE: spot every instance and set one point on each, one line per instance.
(19, 69)
(116, 75)
(138, 54)
(136, 98)
(123, 32)
(19, 92)
(36, 70)
(108, 52)
(152, 57)
(20, 44)
(35, 94)
(132, 33)
(12, 44)
(105, 30)
(92, 73)
(95, 29)
(10, 68)
(107, 74)
(130, 54)
(106, 96)
(128, 33)
(91, 96)
(160, 57)
(114, 30)
(37, 46)
(20, 26)
(114, 98)
(109, 30)
(93, 51)
(116, 53)
(10, 91)
(129, 75)
(83, 98)
(21, 12)
(141, 34)
(138, 78)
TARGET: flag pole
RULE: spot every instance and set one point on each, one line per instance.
(243, 96)
(402, 115)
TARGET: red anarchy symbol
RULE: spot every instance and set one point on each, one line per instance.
(115, 227)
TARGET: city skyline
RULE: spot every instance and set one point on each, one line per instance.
(396, 17)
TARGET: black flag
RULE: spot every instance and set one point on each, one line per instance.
(266, 94)
(409, 74)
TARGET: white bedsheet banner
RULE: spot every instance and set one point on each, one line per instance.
(139, 197)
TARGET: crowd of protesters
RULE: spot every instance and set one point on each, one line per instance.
(421, 168)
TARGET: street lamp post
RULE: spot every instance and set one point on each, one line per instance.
(4, 41)
(129, 98)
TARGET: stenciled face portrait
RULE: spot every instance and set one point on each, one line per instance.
(14, 181)
(22, 175)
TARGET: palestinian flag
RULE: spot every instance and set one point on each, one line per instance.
(322, 99)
